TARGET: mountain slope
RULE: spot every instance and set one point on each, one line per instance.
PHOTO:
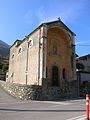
(4, 49)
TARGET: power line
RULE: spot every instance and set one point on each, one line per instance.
(82, 45)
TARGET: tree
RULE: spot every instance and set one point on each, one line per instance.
(1, 66)
(5, 68)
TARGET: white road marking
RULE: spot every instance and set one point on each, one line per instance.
(58, 103)
(82, 117)
(17, 102)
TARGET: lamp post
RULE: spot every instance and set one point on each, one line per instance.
(80, 67)
(78, 81)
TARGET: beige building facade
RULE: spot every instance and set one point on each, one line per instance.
(45, 57)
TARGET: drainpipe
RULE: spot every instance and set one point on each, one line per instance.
(74, 58)
(44, 37)
(42, 55)
(39, 45)
(26, 72)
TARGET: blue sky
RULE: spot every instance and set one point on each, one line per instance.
(19, 17)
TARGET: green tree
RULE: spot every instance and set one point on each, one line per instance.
(5, 68)
(1, 66)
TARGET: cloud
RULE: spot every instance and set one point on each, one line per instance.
(41, 14)
(67, 11)
(29, 17)
(27, 14)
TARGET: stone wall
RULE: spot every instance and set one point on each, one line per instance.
(24, 92)
(69, 91)
(35, 92)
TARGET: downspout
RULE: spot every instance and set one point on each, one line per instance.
(42, 55)
(44, 37)
(74, 60)
(26, 72)
(39, 56)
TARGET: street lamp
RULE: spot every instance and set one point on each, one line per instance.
(78, 81)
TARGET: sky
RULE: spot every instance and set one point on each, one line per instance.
(20, 17)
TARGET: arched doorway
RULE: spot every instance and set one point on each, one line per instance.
(55, 76)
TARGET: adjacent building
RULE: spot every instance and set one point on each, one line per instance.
(85, 60)
(84, 71)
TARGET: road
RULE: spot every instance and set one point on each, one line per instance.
(14, 109)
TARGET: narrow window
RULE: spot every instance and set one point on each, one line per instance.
(30, 43)
(20, 49)
(12, 56)
(64, 73)
(46, 72)
(55, 76)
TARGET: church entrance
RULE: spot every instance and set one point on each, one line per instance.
(55, 76)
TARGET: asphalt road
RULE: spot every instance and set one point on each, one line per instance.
(14, 109)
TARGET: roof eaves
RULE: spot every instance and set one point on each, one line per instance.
(47, 23)
(32, 32)
(62, 23)
(84, 55)
(15, 42)
(68, 28)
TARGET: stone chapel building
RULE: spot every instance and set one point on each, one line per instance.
(45, 57)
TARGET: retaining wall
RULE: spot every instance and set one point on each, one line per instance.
(35, 92)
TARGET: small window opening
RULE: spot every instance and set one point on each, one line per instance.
(20, 49)
(30, 43)
(64, 73)
(46, 72)
(12, 56)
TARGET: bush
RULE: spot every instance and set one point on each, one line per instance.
(4, 68)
